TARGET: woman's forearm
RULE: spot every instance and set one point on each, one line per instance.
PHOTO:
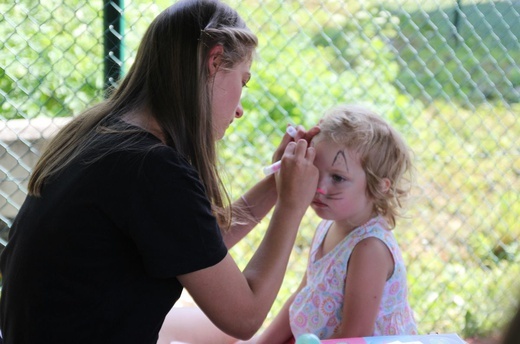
(256, 203)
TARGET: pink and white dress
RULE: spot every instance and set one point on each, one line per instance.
(317, 308)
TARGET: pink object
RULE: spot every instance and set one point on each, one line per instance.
(320, 191)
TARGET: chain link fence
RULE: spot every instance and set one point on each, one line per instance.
(445, 73)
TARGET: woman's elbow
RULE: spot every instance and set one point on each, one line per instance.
(245, 328)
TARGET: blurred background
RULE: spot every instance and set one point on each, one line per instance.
(445, 73)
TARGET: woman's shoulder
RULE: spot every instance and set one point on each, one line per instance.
(135, 155)
(143, 148)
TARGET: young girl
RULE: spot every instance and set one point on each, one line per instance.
(355, 284)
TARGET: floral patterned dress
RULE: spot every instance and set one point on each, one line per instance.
(317, 308)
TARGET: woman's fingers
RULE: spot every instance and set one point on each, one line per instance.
(295, 135)
(298, 177)
(301, 149)
(307, 135)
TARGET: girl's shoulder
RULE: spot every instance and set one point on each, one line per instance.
(376, 227)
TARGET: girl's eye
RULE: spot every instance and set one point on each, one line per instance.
(337, 179)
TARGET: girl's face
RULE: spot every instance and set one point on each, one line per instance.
(341, 194)
(227, 90)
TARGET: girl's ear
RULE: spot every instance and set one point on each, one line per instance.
(215, 59)
(384, 185)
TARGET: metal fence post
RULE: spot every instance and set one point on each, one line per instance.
(113, 41)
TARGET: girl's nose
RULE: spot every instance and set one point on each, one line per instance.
(321, 187)
(239, 112)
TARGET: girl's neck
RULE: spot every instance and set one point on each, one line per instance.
(347, 226)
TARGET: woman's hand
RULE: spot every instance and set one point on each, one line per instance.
(301, 133)
(297, 180)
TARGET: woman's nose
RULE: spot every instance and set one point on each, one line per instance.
(239, 112)
(320, 191)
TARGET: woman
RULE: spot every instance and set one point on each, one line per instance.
(126, 207)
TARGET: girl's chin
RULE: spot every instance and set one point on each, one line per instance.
(321, 212)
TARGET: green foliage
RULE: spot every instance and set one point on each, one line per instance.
(461, 237)
(472, 62)
(52, 56)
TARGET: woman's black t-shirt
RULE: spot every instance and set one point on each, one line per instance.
(95, 258)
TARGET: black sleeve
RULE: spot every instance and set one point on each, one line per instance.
(171, 220)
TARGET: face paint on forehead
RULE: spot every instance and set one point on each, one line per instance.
(341, 154)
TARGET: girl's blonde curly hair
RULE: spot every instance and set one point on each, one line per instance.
(382, 151)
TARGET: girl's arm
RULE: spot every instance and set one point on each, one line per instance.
(238, 302)
(370, 266)
(279, 331)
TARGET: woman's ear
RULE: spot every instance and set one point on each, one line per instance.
(384, 185)
(215, 59)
